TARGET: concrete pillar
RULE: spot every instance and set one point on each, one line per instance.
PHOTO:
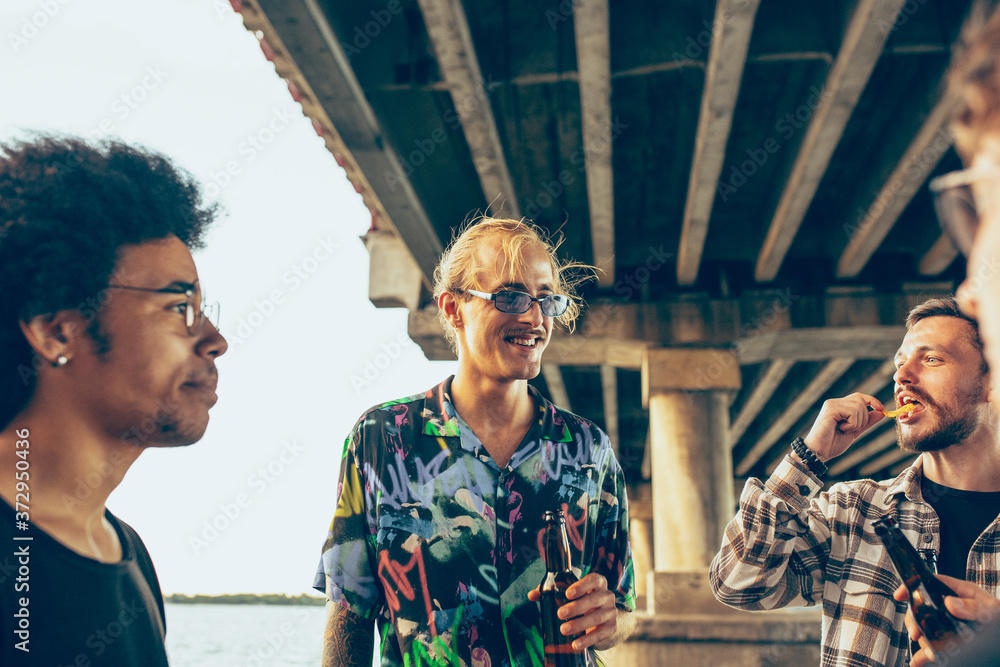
(692, 473)
(393, 275)
(640, 535)
(687, 392)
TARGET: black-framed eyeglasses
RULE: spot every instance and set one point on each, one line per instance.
(516, 303)
(956, 206)
(194, 315)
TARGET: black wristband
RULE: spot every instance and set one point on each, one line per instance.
(809, 457)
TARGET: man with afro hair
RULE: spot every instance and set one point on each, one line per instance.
(106, 349)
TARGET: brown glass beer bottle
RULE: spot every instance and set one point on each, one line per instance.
(927, 592)
(559, 650)
(930, 557)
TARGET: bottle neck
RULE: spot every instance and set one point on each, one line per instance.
(556, 548)
(929, 557)
(908, 562)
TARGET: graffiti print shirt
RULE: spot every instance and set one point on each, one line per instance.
(441, 546)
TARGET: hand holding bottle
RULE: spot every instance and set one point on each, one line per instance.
(590, 611)
(970, 603)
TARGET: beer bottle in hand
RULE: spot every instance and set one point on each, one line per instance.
(927, 592)
(930, 558)
(559, 650)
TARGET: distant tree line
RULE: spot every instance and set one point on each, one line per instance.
(247, 598)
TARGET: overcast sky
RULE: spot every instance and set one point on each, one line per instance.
(247, 508)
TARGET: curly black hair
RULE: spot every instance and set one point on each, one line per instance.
(66, 207)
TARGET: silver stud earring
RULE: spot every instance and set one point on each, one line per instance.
(60, 361)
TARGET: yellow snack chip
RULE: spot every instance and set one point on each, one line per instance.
(909, 407)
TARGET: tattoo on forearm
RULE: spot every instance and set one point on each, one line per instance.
(349, 639)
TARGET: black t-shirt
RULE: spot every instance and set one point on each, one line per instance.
(964, 516)
(79, 611)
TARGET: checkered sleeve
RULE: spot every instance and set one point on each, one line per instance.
(775, 549)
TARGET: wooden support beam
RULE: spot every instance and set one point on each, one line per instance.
(393, 277)
(864, 40)
(758, 398)
(925, 151)
(889, 458)
(818, 343)
(860, 452)
(582, 351)
(812, 393)
(557, 389)
(870, 385)
(678, 369)
(609, 387)
(732, 27)
(448, 30)
(309, 53)
(938, 258)
(647, 458)
(593, 60)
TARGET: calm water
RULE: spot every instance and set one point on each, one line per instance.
(218, 635)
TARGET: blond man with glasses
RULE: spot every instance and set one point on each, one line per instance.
(435, 536)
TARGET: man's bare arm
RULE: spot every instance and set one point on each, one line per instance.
(349, 639)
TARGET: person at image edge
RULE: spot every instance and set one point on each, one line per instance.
(968, 204)
(792, 544)
(105, 351)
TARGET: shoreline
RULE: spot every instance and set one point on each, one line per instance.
(247, 598)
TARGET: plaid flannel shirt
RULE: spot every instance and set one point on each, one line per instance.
(790, 545)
